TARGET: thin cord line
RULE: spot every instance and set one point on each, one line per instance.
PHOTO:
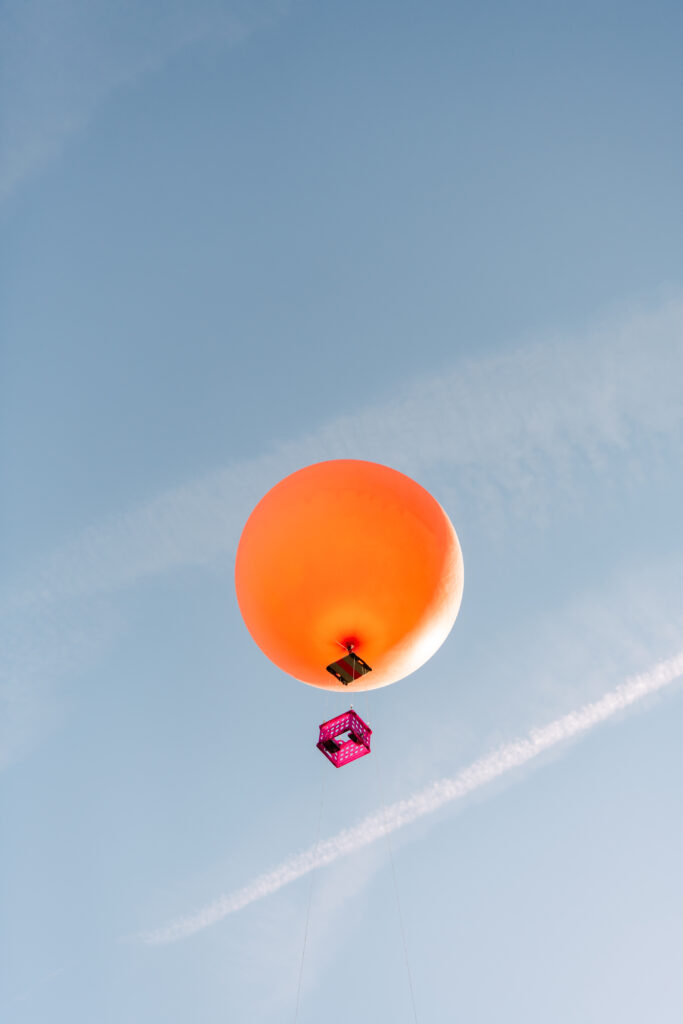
(310, 900)
(398, 902)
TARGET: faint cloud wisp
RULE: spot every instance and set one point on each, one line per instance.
(59, 62)
(510, 426)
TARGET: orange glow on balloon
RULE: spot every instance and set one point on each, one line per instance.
(349, 552)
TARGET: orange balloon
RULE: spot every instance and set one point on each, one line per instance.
(349, 553)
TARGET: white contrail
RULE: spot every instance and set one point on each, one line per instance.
(427, 800)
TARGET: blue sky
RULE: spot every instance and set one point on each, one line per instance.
(240, 238)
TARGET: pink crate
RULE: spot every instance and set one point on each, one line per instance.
(344, 738)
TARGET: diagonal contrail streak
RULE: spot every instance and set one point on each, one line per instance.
(426, 801)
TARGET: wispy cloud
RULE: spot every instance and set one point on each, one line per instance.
(508, 428)
(432, 798)
(59, 62)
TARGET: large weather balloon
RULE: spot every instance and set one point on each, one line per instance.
(348, 558)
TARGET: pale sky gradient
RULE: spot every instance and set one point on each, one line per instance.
(241, 237)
